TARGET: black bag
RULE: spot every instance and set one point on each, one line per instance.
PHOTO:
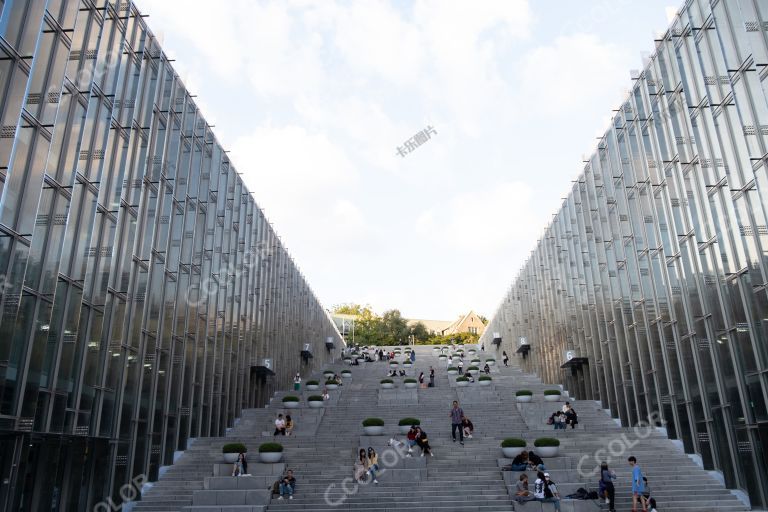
(580, 494)
(592, 495)
(276, 487)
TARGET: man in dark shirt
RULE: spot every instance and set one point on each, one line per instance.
(288, 485)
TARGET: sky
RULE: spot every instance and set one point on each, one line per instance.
(313, 99)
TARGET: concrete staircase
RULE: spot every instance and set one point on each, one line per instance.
(457, 478)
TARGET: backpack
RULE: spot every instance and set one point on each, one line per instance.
(276, 487)
(580, 494)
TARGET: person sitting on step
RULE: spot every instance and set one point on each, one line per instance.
(361, 464)
(469, 376)
(279, 426)
(535, 462)
(559, 420)
(412, 439)
(423, 441)
(287, 485)
(468, 427)
(571, 418)
(545, 491)
(522, 493)
(288, 425)
(373, 464)
(487, 369)
(520, 462)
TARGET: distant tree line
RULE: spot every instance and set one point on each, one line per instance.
(391, 328)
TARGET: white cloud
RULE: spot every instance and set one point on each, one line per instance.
(573, 74)
(496, 218)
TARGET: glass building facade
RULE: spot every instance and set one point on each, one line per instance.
(142, 288)
(648, 291)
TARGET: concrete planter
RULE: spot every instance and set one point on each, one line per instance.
(548, 451)
(511, 453)
(407, 365)
(360, 359)
(290, 405)
(394, 364)
(373, 431)
(524, 398)
(348, 360)
(552, 398)
(312, 387)
(230, 458)
(332, 386)
(387, 385)
(315, 405)
(490, 363)
(453, 372)
(485, 382)
(442, 357)
(404, 429)
(474, 372)
(411, 385)
(270, 457)
(346, 375)
(462, 383)
(328, 375)
(472, 352)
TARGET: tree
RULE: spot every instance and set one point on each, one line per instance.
(394, 328)
(483, 319)
(352, 309)
(420, 332)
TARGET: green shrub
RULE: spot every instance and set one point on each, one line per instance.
(524, 392)
(312, 383)
(328, 372)
(485, 377)
(393, 363)
(452, 368)
(270, 448)
(331, 382)
(290, 398)
(462, 379)
(409, 421)
(410, 381)
(346, 371)
(513, 442)
(373, 422)
(314, 398)
(490, 360)
(546, 441)
(234, 448)
(386, 381)
(473, 368)
(550, 392)
(475, 361)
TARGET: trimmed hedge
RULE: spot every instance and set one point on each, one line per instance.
(546, 441)
(373, 422)
(234, 448)
(270, 448)
(550, 392)
(524, 392)
(409, 421)
(290, 398)
(513, 442)
(314, 398)
(386, 381)
(452, 368)
(331, 382)
(410, 381)
(312, 383)
(491, 360)
(485, 377)
(473, 368)
(462, 379)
